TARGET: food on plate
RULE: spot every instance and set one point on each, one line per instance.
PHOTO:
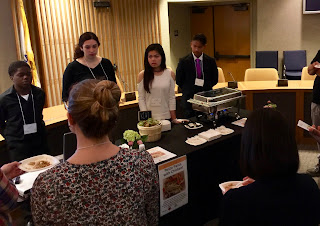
(226, 186)
(173, 185)
(231, 185)
(157, 154)
(41, 164)
(148, 123)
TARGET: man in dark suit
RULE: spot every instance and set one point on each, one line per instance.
(196, 72)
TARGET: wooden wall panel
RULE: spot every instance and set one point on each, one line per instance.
(124, 30)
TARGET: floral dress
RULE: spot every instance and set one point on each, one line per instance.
(122, 190)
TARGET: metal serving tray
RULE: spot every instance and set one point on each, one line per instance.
(212, 101)
(216, 95)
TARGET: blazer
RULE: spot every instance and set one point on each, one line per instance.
(186, 75)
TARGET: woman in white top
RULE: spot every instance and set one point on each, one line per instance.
(156, 85)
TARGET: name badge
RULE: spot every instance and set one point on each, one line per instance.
(155, 102)
(199, 82)
(30, 128)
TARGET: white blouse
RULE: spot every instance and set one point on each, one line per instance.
(161, 99)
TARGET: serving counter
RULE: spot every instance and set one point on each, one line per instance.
(208, 165)
(293, 101)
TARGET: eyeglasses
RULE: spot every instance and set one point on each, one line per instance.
(65, 103)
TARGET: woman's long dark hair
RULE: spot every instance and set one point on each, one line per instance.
(148, 70)
(84, 37)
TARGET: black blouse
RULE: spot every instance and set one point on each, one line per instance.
(77, 72)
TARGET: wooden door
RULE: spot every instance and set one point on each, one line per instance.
(232, 40)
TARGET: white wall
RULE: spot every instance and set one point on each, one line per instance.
(282, 26)
(179, 19)
(8, 52)
(276, 25)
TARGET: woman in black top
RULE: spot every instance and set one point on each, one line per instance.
(86, 64)
(277, 194)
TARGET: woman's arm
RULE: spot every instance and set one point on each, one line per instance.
(152, 191)
(141, 92)
(8, 194)
(110, 71)
(67, 82)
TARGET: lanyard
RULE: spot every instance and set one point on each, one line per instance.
(34, 114)
(92, 71)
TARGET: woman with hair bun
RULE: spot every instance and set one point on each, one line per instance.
(86, 65)
(100, 184)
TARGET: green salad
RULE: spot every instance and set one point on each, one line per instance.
(148, 123)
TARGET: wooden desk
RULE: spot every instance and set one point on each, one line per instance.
(294, 101)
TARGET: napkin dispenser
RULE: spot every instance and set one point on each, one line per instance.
(130, 96)
(282, 82)
(233, 84)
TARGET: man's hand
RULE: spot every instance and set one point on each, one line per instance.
(11, 170)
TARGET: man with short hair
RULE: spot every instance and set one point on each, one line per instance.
(314, 69)
(196, 72)
(21, 119)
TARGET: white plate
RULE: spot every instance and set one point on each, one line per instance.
(194, 127)
(224, 130)
(240, 122)
(30, 168)
(233, 184)
(195, 141)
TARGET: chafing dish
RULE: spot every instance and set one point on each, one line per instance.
(212, 101)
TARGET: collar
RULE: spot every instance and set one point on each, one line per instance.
(200, 58)
(13, 90)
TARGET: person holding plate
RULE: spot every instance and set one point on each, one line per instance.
(86, 65)
(21, 119)
(8, 192)
(273, 193)
(314, 69)
(101, 183)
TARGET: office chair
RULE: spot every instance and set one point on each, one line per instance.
(261, 74)
(221, 77)
(267, 59)
(293, 62)
(305, 75)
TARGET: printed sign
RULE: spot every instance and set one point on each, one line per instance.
(173, 180)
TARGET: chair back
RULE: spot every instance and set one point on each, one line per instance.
(294, 60)
(221, 77)
(261, 74)
(305, 75)
(267, 59)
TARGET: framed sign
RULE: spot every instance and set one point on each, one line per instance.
(311, 6)
(144, 115)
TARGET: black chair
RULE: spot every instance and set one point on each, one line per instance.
(69, 145)
(293, 63)
(267, 59)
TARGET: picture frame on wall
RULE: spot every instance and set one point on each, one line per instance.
(311, 6)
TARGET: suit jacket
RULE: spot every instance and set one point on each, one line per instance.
(186, 75)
